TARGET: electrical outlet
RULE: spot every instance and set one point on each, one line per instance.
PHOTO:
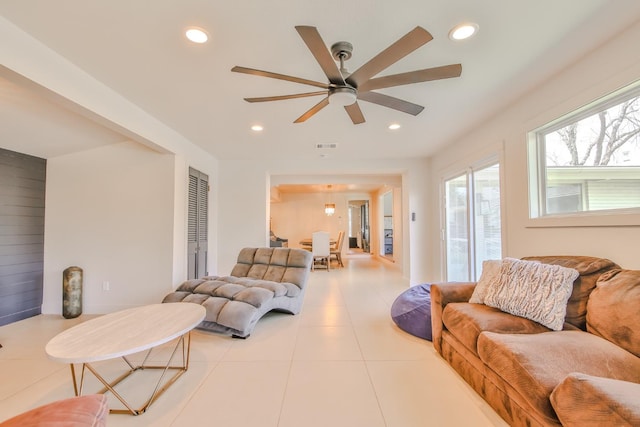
(106, 286)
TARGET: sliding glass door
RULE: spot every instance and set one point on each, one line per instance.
(472, 225)
(457, 228)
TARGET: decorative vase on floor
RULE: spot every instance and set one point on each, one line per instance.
(72, 292)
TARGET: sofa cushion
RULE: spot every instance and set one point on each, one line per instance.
(613, 310)
(590, 268)
(273, 264)
(584, 400)
(467, 321)
(533, 290)
(190, 285)
(535, 364)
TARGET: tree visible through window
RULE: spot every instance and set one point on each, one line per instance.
(590, 160)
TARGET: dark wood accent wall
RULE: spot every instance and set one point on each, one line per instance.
(22, 200)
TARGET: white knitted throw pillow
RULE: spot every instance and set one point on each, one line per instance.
(533, 290)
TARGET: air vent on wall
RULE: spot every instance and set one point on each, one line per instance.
(331, 145)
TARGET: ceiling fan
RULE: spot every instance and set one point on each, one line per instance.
(346, 88)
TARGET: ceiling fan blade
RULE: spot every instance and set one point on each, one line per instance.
(437, 73)
(391, 102)
(398, 50)
(314, 42)
(355, 113)
(254, 72)
(319, 106)
(283, 97)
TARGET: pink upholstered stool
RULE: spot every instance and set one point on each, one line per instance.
(82, 411)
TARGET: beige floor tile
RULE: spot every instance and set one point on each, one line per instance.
(330, 393)
(49, 387)
(273, 339)
(20, 374)
(330, 315)
(238, 394)
(321, 292)
(383, 340)
(421, 393)
(327, 343)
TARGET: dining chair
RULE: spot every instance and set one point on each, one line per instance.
(333, 245)
(320, 249)
(336, 251)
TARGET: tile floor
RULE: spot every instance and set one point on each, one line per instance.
(341, 362)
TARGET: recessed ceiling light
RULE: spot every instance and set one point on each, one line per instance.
(394, 126)
(197, 35)
(463, 31)
(257, 128)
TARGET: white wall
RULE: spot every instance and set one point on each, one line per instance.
(110, 212)
(120, 213)
(416, 237)
(242, 214)
(614, 65)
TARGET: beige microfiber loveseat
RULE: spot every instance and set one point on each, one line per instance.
(263, 279)
(585, 374)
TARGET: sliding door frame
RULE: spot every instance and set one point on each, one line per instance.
(468, 172)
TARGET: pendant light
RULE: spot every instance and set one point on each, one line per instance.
(329, 208)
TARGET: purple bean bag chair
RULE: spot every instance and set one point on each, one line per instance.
(411, 311)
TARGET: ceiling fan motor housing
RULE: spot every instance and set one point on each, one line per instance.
(341, 50)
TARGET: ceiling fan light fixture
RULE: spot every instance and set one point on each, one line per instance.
(463, 31)
(197, 35)
(342, 96)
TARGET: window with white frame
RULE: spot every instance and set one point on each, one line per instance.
(588, 162)
(472, 225)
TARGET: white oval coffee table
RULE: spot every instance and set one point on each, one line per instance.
(124, 333)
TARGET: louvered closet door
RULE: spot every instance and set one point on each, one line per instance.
(198, 224)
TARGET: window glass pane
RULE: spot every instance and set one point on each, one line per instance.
(488, 240)
(457, 238)
(593, 163)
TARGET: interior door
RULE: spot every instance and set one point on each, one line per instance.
(198, 233)
(364, 213)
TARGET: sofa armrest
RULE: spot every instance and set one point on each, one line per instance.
(583, 400)
(441, 295)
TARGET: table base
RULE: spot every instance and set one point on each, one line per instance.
(78, 383)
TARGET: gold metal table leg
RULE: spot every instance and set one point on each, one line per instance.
(158, 389)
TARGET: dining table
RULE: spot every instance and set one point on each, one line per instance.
(308, 242)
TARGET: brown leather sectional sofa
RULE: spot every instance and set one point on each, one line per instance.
(587, 374)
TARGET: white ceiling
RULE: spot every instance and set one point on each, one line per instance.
(137, 48)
